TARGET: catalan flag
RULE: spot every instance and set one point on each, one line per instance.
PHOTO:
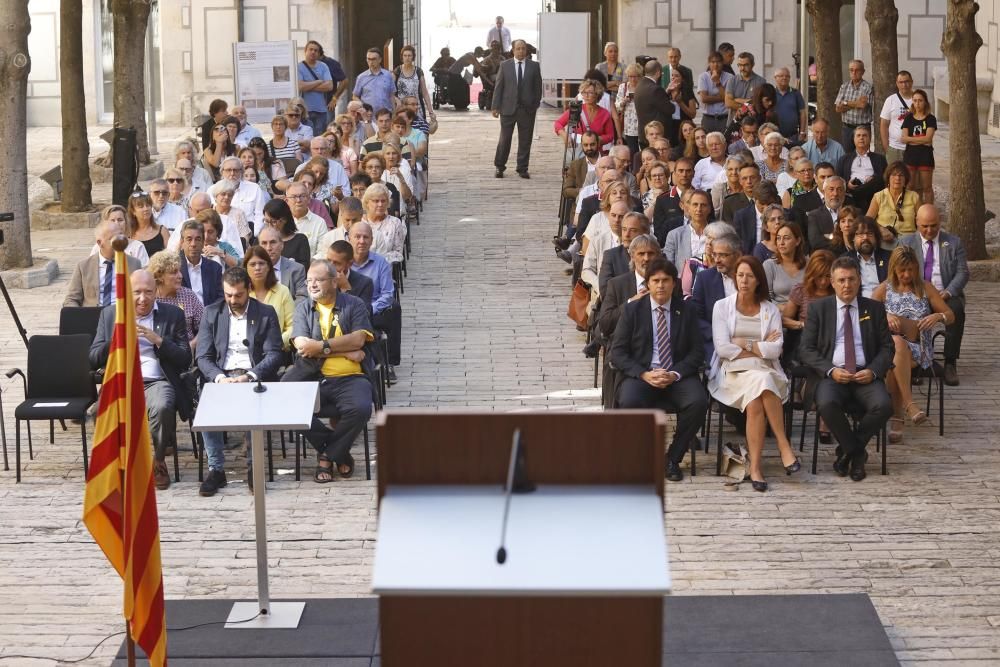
(119, 505)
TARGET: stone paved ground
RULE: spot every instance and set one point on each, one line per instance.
(484, 315)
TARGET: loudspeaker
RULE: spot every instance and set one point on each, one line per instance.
(124, 164)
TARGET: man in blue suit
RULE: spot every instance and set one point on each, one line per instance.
(657, 347)
(714, 284)
(201, 276)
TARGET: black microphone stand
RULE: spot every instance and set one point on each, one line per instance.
(517, 482)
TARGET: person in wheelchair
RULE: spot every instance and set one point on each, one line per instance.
(489, 68)
(458, 86)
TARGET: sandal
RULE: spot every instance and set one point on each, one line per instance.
(323, 474)
(916, 415)
(349, 464)
(896, 434)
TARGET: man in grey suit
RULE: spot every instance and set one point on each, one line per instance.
(164, 354)
(93, 281)
(516, 98)
(678, 248)
(290, 273)
(942, 258)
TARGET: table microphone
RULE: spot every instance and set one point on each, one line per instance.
(259, 389)
(517, 482)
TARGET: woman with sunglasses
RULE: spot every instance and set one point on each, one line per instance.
(178, 190)
(219, 148)
(141, 225)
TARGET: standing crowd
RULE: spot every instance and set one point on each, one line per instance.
(274, 257)
(722, 246)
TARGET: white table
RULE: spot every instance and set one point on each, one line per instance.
(561, 541)
(238, 407)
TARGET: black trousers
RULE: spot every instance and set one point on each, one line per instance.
(835, 401)
(524, 119)
(687, 398)
(390, 321)
(953, 332)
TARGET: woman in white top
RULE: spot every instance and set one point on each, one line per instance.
(235, 229)
(388, 232)
(746, 373)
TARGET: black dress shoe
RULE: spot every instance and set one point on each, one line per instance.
(950, 374)
(499, 173)
(524, 174)
(858, 466)
(842, 465)
(674, 473)
(561, 242)
(215, 480)
(592, 349)
(758, 486)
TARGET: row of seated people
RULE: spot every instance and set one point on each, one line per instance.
(181, 296)
(926, 295)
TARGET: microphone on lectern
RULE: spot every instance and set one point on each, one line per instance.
(517, 482)
(259, 389)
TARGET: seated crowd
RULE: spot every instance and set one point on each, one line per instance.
(274, 258)
(726, 254)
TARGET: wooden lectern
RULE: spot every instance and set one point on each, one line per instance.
(584, 580)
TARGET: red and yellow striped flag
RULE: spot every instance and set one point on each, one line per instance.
(119, 505)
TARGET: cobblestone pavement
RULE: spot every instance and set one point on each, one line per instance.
(484, 316)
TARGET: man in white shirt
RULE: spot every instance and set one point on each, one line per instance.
(166, 214)
(248, 197)
(709, 167)
(247, 131)
(894, 110)
(499, 33)
(308, 223)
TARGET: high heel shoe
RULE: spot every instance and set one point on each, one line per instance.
(916, 415)
(794, 467)
(896, 429)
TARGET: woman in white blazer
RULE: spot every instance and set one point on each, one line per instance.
(746, 373)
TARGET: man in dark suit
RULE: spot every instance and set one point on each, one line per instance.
(164, 354)
(93, 281)
(821, 221)
(749, 178)
(657, 347)
(652, 102)
(239, 341)
(290, 273)
(616, 260)
(204, 277)
(870, 256)
(943, 260)
(341, 255)
(516, 98)
(714, 284)
(749, 220)
(810, 201)
(847, 342)
(862, 169)
(668, 214)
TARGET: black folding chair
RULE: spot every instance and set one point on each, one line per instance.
(79, 320)
(58, 385)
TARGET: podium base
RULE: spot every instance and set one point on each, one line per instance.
(283, 615)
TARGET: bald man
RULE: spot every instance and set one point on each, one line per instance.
(93, 281)
(164, 353)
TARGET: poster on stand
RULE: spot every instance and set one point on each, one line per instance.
(265, 78)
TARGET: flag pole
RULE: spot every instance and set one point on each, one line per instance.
(119, 243)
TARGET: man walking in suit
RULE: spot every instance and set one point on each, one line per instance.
(164, 353)
(93, 281)
(657, 347)
(516, 98)
(847, 341)
(289, 273)
(944, 263)
(652, 102)
(239, 341)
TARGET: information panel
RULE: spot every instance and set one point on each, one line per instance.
(266, 77)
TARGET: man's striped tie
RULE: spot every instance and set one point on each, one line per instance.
(662, 338)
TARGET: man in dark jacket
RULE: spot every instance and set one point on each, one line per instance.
(652, 101)
(164, 354)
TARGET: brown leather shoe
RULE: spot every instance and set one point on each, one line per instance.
(161, 475)
(950, 375)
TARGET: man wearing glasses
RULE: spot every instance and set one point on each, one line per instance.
(248, 196)
(166, 214)
(375, 86)
(894, 111)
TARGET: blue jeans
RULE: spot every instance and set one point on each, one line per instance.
(215, 448)
(318, 121)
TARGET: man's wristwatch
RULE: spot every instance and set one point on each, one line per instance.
(326, 347)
